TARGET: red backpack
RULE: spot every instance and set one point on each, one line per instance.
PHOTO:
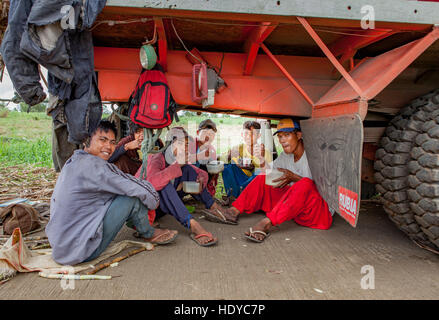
(151, 103)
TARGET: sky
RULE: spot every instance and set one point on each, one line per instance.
(7, 89)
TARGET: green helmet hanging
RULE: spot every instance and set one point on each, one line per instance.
(148, 57)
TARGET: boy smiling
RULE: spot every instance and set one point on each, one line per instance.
(92, 200)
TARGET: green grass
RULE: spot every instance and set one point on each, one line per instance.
(15, 151)
(25, 138)
(31, 126)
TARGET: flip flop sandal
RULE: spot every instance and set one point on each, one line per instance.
(249, 237)
(159, 236)
(214, 218)
(195, 237)
(220, 201)
(137, 235)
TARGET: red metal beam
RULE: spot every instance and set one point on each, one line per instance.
(341, 108)
(285, 72)
(330, 56)
(162, 43)
(256, 38)
(266, 92)
(346, 47)
(387, 65)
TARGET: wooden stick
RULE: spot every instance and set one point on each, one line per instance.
(72, 276)
(26, 238)
(105, 265)
(41, 246)
(44, 241)
(35, 231)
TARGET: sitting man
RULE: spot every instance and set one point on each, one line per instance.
(237, 173)
(206, 151)
(126, 156)
(92, 200)
(294, 198)
(167, 171)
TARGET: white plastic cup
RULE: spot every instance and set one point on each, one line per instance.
(271, 175)
(192, 187)
(215, 167)
(246, 162)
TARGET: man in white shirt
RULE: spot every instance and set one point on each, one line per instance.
(295, 197)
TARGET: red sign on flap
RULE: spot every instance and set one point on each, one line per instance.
(348, 205)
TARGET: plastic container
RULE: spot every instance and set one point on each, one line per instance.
(215, 167)
(191, 187)
(246, 162)
(271, 175)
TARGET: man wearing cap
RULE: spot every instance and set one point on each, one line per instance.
(295, 197)
(206, 151)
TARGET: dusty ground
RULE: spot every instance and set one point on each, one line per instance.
(313, 264)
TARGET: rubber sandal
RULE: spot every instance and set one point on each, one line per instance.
(249, 237)
(214, 218)
(159, 236)
(210, 243)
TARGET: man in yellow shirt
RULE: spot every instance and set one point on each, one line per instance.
(244, 161)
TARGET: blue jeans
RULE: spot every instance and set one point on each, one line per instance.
(170, 198)
(123, 209)
(235, 180)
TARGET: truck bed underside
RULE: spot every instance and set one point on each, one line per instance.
(258, 87)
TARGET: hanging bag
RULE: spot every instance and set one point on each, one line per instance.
(151, 103)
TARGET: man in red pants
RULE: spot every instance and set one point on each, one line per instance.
(295, 197)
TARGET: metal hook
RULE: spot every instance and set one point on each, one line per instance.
(154, 37)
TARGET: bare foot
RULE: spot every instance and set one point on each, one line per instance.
(263, 225)
(216, 206)
(162, 236)
(197, 229)
(233, 213)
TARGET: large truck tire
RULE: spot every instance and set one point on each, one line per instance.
(392, 173)
(423, 189)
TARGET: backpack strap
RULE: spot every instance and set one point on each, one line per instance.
(148, 145)
(136, 89)
(173, 108)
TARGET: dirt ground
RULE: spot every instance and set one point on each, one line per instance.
(294, 263)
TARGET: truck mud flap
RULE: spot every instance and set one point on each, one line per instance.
(334, 149)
